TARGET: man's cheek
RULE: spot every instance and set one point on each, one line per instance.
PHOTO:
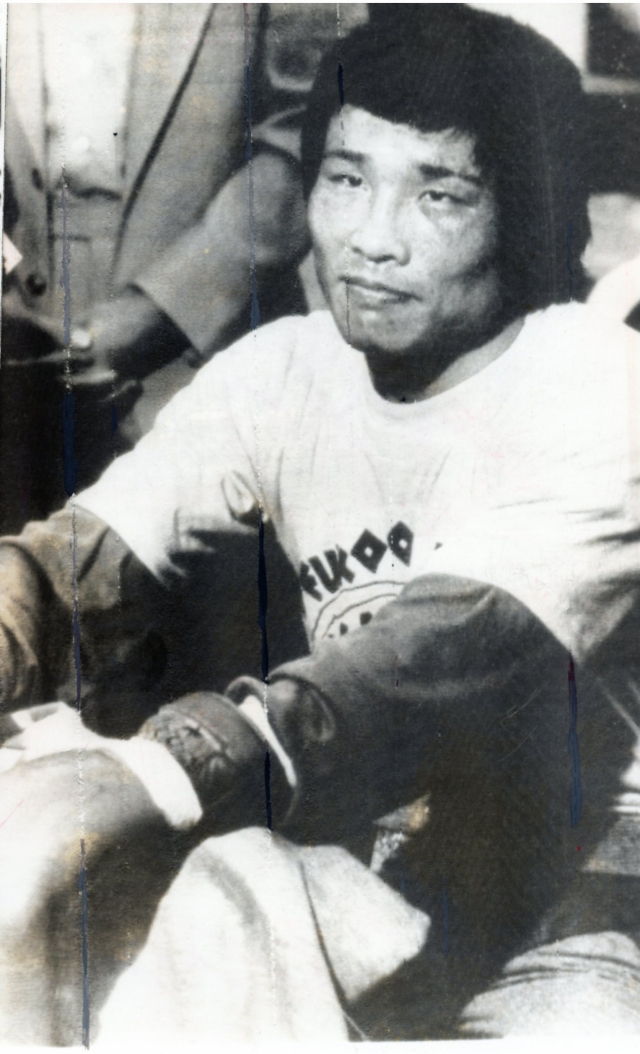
(320, 263)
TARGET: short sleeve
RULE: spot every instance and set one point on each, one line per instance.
(204, 466)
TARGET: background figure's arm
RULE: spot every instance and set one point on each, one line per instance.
(198, 292)
(255, 226)
(203, 283)
(74, 595)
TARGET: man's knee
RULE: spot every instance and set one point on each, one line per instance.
(56, 812)
(588, 984)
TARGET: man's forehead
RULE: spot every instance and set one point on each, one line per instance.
(359, 135)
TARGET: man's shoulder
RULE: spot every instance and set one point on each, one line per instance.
(296, 344)
(313, 328)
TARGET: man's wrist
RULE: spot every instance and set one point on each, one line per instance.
(130, 335)
(164, 779)
(153, 339)
(225, 758)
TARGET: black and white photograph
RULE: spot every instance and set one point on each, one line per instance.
(319, 524)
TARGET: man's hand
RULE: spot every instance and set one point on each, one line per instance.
(128, 335)
(125, 339)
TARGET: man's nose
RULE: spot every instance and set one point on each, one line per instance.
(379, 235)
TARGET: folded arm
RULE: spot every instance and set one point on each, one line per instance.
(453, 682)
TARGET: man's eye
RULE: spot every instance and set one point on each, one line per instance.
(439, 196)
(345, 179)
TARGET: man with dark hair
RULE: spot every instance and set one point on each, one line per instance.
(514, 94)
(454, 476)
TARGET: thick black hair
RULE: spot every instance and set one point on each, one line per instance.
(438, 66)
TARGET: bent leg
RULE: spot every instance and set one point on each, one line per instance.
(254, 940)
(233, 954)
(589, 984)
(70, 821)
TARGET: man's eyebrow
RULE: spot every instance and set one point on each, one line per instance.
(441, 172)
(345, 155)
(428, 171)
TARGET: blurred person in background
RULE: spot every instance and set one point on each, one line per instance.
(155, 207)
(612, 258)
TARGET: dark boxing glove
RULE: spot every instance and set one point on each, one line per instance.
(238, 780)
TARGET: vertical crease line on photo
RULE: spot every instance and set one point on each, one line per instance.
(569, 228)
(82, 889)
(574, 748)
(341, 97)
(262, 599)
(254, 323)
(255, 308)
(70, 481)
(445, 919)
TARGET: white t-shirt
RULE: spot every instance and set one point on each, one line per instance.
(526, 475)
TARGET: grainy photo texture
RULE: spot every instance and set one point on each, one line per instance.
(320, 517)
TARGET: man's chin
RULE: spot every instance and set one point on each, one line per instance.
(380, 339)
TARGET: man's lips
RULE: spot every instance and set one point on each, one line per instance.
(375, 292)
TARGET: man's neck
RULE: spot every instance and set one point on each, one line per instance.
(424, 376)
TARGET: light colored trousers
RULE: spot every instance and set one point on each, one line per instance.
(245, 937)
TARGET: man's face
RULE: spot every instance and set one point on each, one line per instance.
(404, 232)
